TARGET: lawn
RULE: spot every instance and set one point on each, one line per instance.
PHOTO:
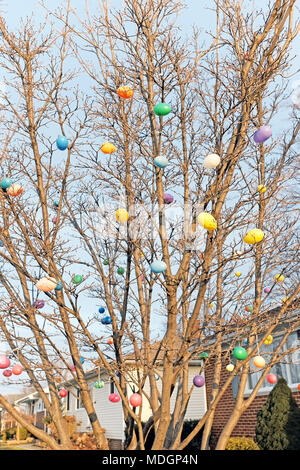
(5, 447)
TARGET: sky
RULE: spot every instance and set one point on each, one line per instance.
(14, 10)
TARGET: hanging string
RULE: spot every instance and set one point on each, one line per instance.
(256, 343)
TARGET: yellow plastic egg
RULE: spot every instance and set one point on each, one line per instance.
(237, 273)
(254, 236)
(279, 278)
(262, 189)
(211, 305)
(107, 148)
(207, 221)
(259, 361)
(230, 367)
(122, 215)
(268, 340)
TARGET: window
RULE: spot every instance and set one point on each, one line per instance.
(79, 402)
(40, 405)
(288, 368)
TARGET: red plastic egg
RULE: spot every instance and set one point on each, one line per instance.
(114, 398)
(272, 379)
(7, 373)
(63, 393)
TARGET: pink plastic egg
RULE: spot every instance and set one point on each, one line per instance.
(135, 400)
(17, 369)
(4, 362)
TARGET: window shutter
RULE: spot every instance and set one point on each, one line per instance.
(235, 386)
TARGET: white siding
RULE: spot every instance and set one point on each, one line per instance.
(109, 414)
(197, 403)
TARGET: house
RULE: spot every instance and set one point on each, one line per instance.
(111, 414)
(289, 369)
(6, 420)
(32, 405)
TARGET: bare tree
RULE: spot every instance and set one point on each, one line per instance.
(220, 93)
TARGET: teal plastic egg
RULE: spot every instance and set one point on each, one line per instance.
(6, 183)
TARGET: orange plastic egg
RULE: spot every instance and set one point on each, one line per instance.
(259, 361)
(15, 189)
(46, 284)
(108, 148)
(125, 92)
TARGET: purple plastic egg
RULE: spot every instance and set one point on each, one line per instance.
(168, 198)
(267, 290)
(39, 304)
(262, 134)
(198, 381)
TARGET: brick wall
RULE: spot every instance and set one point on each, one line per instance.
(115, 444)
(247, 422)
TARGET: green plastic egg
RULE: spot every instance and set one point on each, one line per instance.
(162, 109)
(77, 279)
(240, 353)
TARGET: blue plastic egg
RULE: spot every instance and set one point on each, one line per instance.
(59, 285)
(158, 266)
(101, 310)
(62, 142)
(161, 161)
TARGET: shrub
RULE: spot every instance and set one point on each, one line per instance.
(11, 433)
(23, 433)
(241, 443)
(278, 422)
